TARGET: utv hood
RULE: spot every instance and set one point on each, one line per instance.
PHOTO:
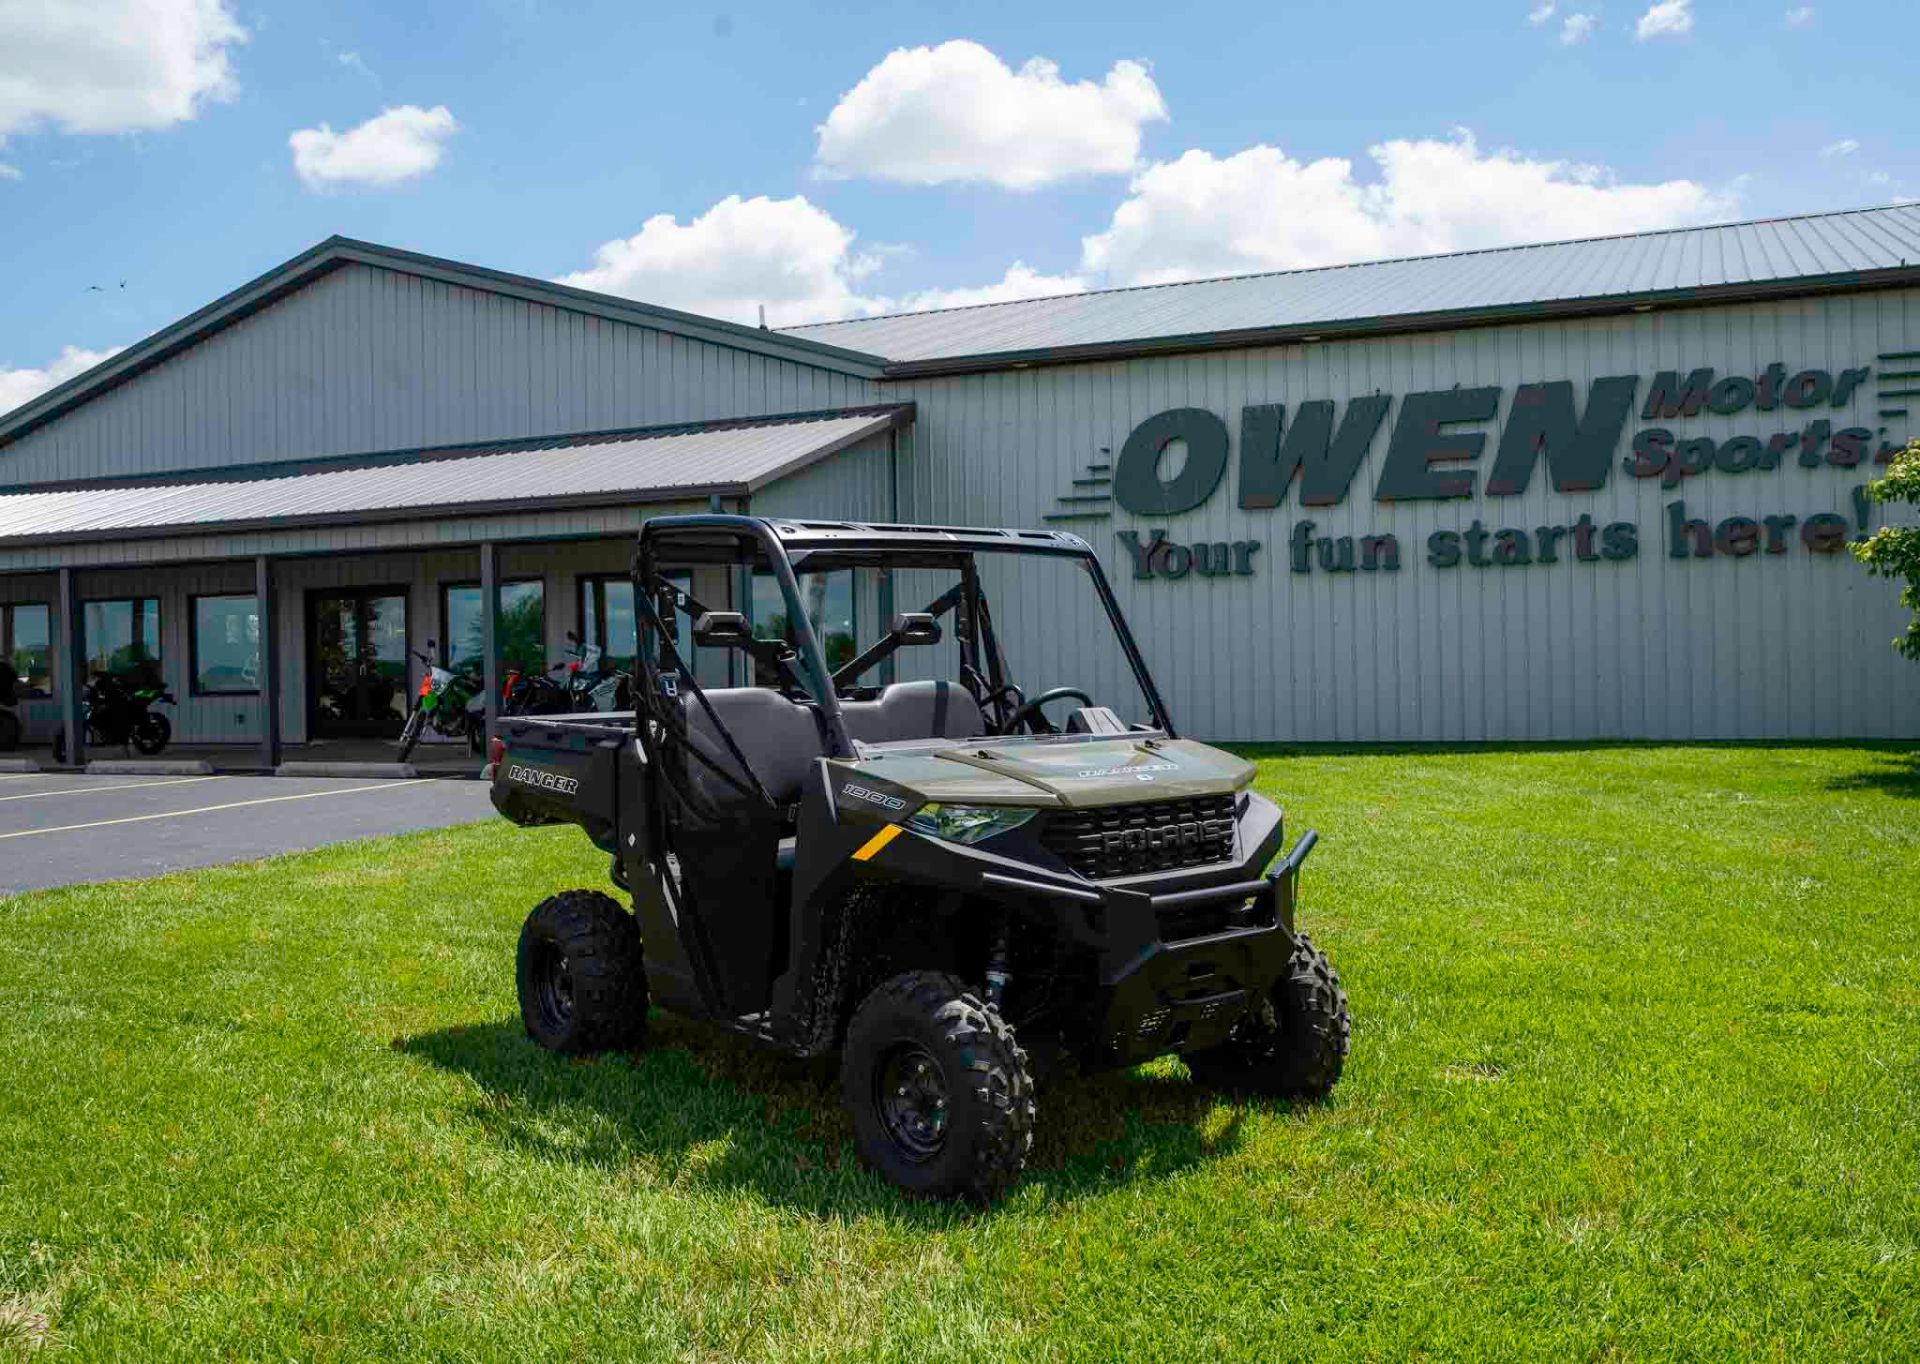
(1048, 773)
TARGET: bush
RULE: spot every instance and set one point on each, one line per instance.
(1894, 551)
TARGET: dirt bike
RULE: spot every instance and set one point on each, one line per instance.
(451, 702)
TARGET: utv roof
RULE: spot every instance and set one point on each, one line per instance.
(854, 536)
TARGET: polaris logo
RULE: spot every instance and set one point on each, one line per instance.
(1187, 834)
(542, 780)
(879, 798)
(1135, 770)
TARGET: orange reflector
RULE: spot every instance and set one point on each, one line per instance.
(876, 843)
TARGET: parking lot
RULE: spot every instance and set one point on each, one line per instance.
(60, 828)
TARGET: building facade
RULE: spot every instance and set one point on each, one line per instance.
(1586, 490)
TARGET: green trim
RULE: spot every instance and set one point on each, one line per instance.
(1898, 355)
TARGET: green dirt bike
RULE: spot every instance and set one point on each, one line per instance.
(448, 701)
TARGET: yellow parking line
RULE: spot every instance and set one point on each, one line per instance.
(122, 786)
(209, 809)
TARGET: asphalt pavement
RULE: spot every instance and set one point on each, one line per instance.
(60, 828)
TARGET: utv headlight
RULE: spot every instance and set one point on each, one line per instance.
(967, 823)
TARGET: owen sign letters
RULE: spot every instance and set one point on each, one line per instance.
(1445, 445)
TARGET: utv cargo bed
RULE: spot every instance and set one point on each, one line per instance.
(567, 769)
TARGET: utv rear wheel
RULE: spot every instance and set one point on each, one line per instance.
(938, 1089)
(1294, 1044)
(582, 986)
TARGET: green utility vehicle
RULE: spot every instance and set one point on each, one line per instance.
(902, 853)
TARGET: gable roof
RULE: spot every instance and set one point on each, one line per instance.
(335, 252)
(1695, 266)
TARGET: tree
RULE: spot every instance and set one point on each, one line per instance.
(1894, 551)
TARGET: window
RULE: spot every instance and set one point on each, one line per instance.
(606, 618)
(225, 645)
(122, 638)
(520, 639)
(24, 642)
(829, 602)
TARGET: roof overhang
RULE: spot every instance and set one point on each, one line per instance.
(1396, 324)
(727, 459)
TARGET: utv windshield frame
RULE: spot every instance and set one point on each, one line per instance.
(790, 548)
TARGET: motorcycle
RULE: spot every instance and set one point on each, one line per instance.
(453, 704)
(586, 685)
(9, 707)
(118, 712)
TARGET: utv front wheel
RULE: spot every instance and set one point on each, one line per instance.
(582, 986)
(937, 1088)
(1294, 1043)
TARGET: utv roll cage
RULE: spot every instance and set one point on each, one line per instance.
(788, 549)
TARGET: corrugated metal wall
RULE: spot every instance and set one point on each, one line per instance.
(1768, 646)
(366, 359)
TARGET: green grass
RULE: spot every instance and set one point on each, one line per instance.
(1636, 1075)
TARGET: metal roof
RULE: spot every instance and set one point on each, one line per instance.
(1686, 266)
(731, 460)
(335, 252)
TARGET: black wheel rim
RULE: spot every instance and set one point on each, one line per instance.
(910, 1099)
(552, 986)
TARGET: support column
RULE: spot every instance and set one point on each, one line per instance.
(269, 666)
(71, 676)
(490, 632)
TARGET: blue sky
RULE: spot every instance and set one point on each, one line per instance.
(1168, 142)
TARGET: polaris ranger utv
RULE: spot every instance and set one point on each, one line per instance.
(895, 851)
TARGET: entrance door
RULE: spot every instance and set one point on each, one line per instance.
(357, 652)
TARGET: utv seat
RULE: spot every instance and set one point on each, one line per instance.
(914, 710)
(779, 739)
(739, 867)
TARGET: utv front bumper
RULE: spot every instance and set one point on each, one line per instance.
(1180, 956)
(1186, 994)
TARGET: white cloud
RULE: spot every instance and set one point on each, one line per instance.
(1665, 18)
(9, 172)
(787, 254)
(1020, 281)
(956, 112)
(1540, 13)
(1262, 210)
(394, 146)
(1801, 17)
(1578, 28)
(112, 66)
(1846, 146)
(21, 385)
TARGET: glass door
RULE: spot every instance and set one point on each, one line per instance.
(357, 663)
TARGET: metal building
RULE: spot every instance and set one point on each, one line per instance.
(1584, 490)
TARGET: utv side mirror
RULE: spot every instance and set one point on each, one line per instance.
(722, 628)
(915, 627)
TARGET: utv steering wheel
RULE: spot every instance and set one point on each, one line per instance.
(1030, 714)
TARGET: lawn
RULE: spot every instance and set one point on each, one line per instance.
(1635, 1075)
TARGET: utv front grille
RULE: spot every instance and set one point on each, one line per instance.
(1124, 840)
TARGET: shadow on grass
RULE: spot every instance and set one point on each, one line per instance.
(1897, 773)
(703, 1107)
